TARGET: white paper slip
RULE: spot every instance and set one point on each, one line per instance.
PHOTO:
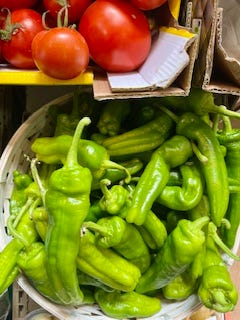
(167, 59)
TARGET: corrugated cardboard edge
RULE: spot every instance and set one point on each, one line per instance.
(181, 87)
(210, 85)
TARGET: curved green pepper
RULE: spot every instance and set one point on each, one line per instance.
(107, 266)
(188, 195)
(67, 201)
(114, 232)
(127, 305)
(172, 153)
(144, 138)
(231, 139)
(53, 150)
(174, 257)
(213, 168)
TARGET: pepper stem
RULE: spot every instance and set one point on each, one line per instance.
(212, 230)
(224, 111)
(200, 223)
(96, 228)
(104, 183)
(111, 164)
(72, 156)
(37, 179)
(171, 114)
(227, 124)
(198, 154)
(13, 221)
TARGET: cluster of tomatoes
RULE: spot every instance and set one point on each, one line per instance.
(60, 37)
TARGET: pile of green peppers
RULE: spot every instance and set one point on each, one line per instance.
(127, 203)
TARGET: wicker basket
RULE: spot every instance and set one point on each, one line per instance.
(14, 157)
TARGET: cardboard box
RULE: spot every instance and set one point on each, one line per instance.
(222, 74)
(177, 83)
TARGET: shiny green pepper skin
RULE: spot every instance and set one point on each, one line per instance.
(127, 304)
(173, 258)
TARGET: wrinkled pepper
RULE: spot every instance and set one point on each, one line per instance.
(32, 262)
(213, 167)
(181, 287)
(173, 152)
(67, 201)
(114, 232)
(113, 198)
(18, 196)
(216, 290)
(187, 196)
(127, 305)
(144, 138)
(175, 256)
(107, 266)
(112, 116)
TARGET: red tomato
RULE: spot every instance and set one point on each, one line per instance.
(61, 53)
(148, 4)
(17, 4)
(117, 34)
(17, 50)
(75, 8)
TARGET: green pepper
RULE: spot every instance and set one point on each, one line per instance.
(113, 114)
(175, 256)
(95, 212)
(114, 232)
(144, 138)
(213, 167)
(67, 201)
(231, 139)
(32, 262)
(172, 153)
(202, 209)
(153, 231)
(172, 219)
(216, 290)
(40, 219)
(127, 305)
(133, 166)
(199, 101)
(18, 196)
(106, 265)
(24, 234)
(53, 150)
(113, 198)
(86, 280)
(181, 287)
(187, 196)
(66, 123)
(142, 111)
